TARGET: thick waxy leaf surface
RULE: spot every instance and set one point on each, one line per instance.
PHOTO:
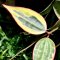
(44, 49)
(56, 8)
(27, 19)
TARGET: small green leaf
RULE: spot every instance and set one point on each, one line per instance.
(44, 49)
(2, 36)
(29, 20)
(56, 9)
(24, 55)
(47, 9)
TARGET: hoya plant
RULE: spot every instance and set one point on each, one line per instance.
(34, 23)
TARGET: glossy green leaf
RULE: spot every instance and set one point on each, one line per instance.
(47, 9)
(56, 9)
(27, 19)
(44, 49)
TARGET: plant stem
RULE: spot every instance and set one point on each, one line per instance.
(53, 30)
(58, 45)
(50, 32)
(23, 50)
(4, 51)
(33, 44)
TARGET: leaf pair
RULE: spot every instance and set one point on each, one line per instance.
(34, 23)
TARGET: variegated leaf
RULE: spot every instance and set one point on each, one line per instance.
(44, 49)
(27, 19)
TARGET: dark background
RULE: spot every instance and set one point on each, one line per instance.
(37, 5)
